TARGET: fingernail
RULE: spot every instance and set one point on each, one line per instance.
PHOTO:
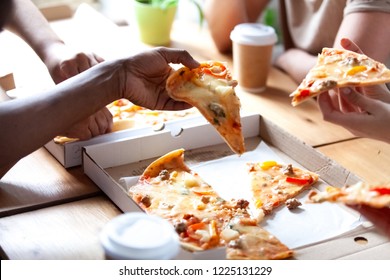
(345, 91)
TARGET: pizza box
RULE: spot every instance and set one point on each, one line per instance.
(317, 231)
(70, 154)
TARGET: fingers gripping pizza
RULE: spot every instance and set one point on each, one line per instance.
(340, 68)
(361, 193)
(204, 220)
(210, 89)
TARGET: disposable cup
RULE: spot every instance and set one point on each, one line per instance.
(139, 236)
(252, 55)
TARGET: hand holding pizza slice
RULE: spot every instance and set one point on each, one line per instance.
(340, 68)
(210, 88)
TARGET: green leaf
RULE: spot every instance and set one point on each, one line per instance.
(164, 4)
(200, 11)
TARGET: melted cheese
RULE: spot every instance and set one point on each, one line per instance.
(183, 193)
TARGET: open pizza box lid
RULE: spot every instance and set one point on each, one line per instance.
(116, 165)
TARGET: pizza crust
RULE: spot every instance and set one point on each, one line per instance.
(172, 160)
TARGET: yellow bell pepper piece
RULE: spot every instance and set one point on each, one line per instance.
(214, 237)
(356, 69)
(201, 206)
(330, 189)
(258, 203)
(152, 113)
(268, 164)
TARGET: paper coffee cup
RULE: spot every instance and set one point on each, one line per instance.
(139, 236)
(252, 54)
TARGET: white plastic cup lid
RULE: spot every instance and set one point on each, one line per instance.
(254, 34)
(139, 236)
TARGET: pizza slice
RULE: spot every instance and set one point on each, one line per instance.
(377, 196)
(254, 242)
(340, 68)
(210, 89)
(274, 184)
(127, 115)
(204, 220)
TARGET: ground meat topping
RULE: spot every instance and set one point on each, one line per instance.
(293, 203)
(164, 174)
(217, 110)
(327, 84)
(350, 61)
(235, 244)
(288, 170)
(180, 227)
(205, 199)
(146, 200)
(242, 203)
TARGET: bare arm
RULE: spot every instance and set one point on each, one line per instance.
(368, 30)
(63, 62)
(296, 63)
(222, 17)
(29, 123)
(27, 22)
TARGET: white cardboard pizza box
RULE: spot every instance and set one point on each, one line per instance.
(110, 162)
(70, 154)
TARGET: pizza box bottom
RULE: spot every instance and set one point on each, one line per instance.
(109, 164)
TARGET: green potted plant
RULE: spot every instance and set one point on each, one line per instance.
(155, 18)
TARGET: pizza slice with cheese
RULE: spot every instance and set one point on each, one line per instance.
(203, 220)
(340, 68)
(210, 88)
(377, 196)
(273, 184)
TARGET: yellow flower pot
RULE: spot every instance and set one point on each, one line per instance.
(154, 23)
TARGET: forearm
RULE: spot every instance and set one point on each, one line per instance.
(222, 18)
(369, 31)
(31, 122)
(27, 22)
(296, 63)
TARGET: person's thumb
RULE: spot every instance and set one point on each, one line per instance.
(350, 45)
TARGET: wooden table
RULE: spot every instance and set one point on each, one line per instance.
(49, 212)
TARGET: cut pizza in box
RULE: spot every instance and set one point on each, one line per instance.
(116, 166)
